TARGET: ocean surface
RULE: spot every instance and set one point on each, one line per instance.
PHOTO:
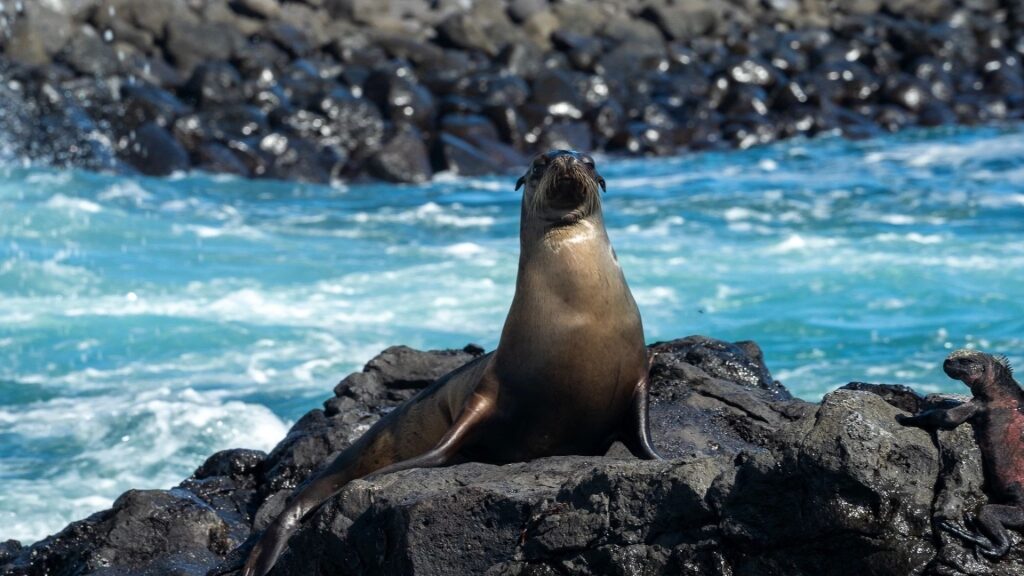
(147, 323)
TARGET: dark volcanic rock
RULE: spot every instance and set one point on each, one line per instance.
(902, 397)
(462, 158)
(402, 367)
(403, 158)
(758, 484)
(37, 36)
(154, 151)
(217, 158)
(356, 123)
(293, 158)
(401, 97)
(145, 532)
(468, 33)
(710, 397)
(216, 82)
(89, 54)
(686, 20)
(577, 509)
(655, 77)
(860, 485)
(145, 103)
(9, 551)
(190, 44)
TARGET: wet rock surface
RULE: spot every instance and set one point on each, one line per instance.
(364, 90)
(755, 483)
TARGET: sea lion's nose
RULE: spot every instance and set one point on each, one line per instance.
(566, 158)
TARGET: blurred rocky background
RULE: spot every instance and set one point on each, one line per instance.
(320, 90)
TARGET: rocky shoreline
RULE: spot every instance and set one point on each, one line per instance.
(758, 483)
(322, 90)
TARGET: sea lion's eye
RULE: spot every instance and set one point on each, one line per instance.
(537, 169)
(588, 161)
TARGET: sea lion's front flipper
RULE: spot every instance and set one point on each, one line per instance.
(637, 435)
(477, 409)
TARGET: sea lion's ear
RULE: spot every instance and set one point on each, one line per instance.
(520, 182)
(600, 182)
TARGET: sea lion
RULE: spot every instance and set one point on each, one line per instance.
(569, 375)
(996, 412)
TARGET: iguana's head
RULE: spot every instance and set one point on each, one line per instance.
(981, 372)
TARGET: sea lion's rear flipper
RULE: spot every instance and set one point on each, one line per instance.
(477, 409)
(637, 435)
(374, 453)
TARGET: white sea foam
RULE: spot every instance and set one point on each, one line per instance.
(231, 229)
(150, 439)
(430, 213)
(465, 249)
(912, 237)
(1001, 200)
(798, 243)
(655, 295)
(125, 190)
(888, 304)
(739, 213)
(896, 219)
(46, 179)
(61, 202)
(653, 182)
(936, 153)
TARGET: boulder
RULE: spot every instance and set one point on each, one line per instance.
(401, 97)
(590, 516)
(190, 44)
(292, 157)
(89, 54)
(462, 158)
(146, 532)
(36, 37)
(218, 159)
(147, 103)
(403, 158)
(466, 32)
(685, 20)
(154, 151)
(356, 123)
(213, 83)
(268, 9)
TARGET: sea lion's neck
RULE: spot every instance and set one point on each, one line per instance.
(536, 234)
(570, 266)
(570, 292)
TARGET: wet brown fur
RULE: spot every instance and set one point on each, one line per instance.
(569, 375)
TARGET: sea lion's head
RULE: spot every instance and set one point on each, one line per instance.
(562, 187)
(982, 372)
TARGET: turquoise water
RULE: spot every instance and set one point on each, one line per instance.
(147, 323)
